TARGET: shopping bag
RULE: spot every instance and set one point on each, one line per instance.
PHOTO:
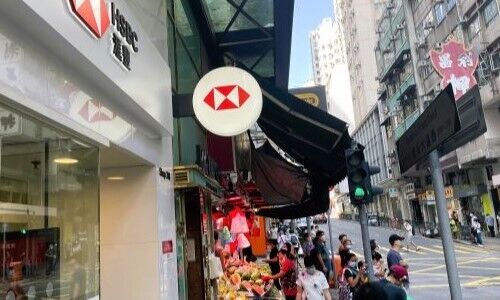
(215, 266)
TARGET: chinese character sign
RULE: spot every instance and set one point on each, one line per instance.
(456, 65)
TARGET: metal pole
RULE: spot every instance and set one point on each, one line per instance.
(332, 246)
(444, 227)
(363, 220)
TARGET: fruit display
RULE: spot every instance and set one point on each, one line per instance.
(245, 282)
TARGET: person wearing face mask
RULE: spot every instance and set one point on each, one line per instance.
(394, 282)
(320, 253)
(351, 277)
(345, 249)
(394, 257)
(312, 284)
(287, 275)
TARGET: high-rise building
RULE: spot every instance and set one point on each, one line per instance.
(357, 19)
(327, 49)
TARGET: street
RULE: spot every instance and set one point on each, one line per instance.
(479, 268)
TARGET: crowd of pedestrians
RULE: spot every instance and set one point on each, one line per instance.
(314, 280)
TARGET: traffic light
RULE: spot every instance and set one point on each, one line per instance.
(361, 190)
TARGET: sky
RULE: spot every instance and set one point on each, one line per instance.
(307, 16)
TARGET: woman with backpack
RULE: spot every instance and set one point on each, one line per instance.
(351, 277)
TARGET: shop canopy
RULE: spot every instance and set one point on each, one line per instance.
(312, 137)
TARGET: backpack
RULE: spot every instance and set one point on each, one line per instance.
(344, 288)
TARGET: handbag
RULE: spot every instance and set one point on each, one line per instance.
(344, 288)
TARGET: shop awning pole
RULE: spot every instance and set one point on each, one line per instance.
(332, 246)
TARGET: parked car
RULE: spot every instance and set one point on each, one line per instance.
(373, 220)
(320, 219)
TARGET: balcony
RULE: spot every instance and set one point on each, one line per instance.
(398, 18)
(400, 129)
(393, 100)
(408, 82)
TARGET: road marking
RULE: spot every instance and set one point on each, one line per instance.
(478, 268)
(456, 250)
(480, 282)
(431, 250)
(472, 249)
(446, 275)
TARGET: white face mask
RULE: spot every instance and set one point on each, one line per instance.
(348, 246)
(352, 264)
(311, 270)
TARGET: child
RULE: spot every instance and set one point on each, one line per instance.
(378, 266)
(362, 266)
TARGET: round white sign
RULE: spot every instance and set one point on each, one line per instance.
(227, 101)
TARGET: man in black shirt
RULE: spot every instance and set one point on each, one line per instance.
(392, 284)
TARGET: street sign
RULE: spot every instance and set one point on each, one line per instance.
(435, 125)
(227, 101)
(470, 111)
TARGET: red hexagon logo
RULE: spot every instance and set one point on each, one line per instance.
(226, 97)
(93, 14)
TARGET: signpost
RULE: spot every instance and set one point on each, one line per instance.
(437, 123)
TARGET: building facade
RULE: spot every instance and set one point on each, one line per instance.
(407, 31)
(86, 151)
(357, 19)
(327, 49)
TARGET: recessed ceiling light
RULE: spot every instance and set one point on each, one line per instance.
(65, 160)
(116, 178)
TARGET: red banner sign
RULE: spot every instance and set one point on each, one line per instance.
(456, 65)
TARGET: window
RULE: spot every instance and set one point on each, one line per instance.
(474, 28)
(490, 12)
(428, 23)
(451, 4)
(440, 12)
(49, 194)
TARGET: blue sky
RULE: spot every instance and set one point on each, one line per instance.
(307, 15)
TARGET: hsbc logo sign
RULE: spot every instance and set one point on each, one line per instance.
(97, 18)
(226, 97)
(227, 101)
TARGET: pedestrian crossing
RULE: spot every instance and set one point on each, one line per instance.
(438, 249)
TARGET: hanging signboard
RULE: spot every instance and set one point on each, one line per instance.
(435, 125)
(227, 101)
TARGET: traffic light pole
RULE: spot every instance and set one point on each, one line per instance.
(363, 220)
(444, 227)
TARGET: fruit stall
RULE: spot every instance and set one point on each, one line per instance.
(246, 282)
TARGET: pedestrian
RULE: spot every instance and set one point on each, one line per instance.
(294, 240)
(321, 256)
(455, 225)
(371, 291)
(362, 266)
(351, 277)
(345, 248)
(272, 246)
(378, 266)
(476, 230)
(312, 284)
(490, 221)
(374, 246)
(287, 275)
(394, 282)
(342, 238)
(394, 257)
(409, 236)
(272, 233)
(282, 239)
(307, 245)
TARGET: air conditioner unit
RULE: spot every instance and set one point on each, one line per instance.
(400, 27)
(429, 25)
(386, 110)
(393, 38)
(406, 56)
(439, 45)
(421, 43)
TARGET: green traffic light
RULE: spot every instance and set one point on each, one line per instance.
(359, 192)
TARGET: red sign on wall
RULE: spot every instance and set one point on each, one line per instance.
(167, 246)
(456, 65)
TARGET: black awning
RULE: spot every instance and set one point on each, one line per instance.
(317, 202)
(279, 182)
(314, 138)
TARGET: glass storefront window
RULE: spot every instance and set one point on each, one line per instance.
(49, 212)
